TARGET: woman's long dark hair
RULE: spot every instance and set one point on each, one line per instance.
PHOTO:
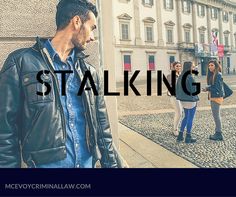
(211, 76)
(187, 67)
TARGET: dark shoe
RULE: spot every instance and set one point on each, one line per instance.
(189, 139)
(217, 137)
(180, 137)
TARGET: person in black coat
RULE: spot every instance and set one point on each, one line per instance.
(186, 92)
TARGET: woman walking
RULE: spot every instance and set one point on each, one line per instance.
(189, 102)
(177, 67)
(216, 94)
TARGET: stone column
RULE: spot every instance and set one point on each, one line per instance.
(194, 19)
(231, 30)
(179, 26)
(107, 32)
(179, 21)
(220, 27)
(159, 24)
(209, 30)
(138, 40)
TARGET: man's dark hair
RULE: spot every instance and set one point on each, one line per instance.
(67, 9)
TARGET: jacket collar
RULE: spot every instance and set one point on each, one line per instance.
(40, 46)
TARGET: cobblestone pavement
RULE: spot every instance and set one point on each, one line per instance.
(153, 116)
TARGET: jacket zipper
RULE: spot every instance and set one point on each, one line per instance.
(57, 87)
(85, 113)
(98, 122)
(86, 130)
(100, 127)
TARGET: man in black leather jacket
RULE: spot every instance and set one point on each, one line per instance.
(36, 128)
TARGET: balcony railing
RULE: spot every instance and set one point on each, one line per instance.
(186, 46)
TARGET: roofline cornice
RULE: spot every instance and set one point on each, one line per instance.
(217, 3)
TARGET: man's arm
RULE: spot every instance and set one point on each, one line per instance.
(9, 105)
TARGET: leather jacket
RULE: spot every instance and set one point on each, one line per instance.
(32, 127)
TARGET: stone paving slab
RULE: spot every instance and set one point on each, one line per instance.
(141, 152)
(133, 158)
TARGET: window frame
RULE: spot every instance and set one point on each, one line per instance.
(214, 13)
(169, 5)
(235, 40)
(188, 4)
(167, 35)
(234, 18)
(121, 30)
(187, 39)
(149, 54)
(201, 33)
(146, 26)
(201, 10)
(148, 4)
(123, 54)
(226, 43)
(225, 16)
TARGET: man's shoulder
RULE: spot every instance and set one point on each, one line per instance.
(15, 58)
(20, 52)
(12, 58)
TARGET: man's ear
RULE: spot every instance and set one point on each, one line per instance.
(76, 22)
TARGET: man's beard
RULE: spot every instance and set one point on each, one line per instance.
(80, 47)
(76, 43)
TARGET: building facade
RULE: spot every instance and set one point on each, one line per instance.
(151, 34)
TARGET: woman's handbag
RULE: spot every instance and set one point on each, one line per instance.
(227, 90)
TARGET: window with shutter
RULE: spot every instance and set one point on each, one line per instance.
(147, 2)
(127, 63)
(187, 37)
(234, 40)
(226, 40)
(125, 31)
(202, 37)
(169, 36)
(225, 16)
(149, 33)
(151, 62)
(201, 10)
(214, 13)
(234, 18)
(164, 4)
(186, 6)
(168, 4)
